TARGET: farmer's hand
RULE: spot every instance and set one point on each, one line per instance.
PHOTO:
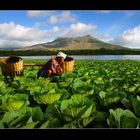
(59, 70)
(49, 72)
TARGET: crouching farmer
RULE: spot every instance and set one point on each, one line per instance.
(53, 67)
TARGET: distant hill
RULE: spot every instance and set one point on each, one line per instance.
(78, 43)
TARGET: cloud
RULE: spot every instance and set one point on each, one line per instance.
(15, 35)
(39, 24)
(41, 13)
(63, 17)
(104, 11)
(78, 29)
(129, 38)
(53, 20)
(130, 13)
(54, 17)
(104, 36)
(67, 16)
(14, 43)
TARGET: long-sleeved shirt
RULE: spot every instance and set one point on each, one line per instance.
(52, 64)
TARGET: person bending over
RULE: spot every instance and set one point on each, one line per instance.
(53, 67)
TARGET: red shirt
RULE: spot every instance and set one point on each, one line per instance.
(52, 64)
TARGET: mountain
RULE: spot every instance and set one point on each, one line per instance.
(77, 43)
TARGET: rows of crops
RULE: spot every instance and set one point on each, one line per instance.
(97, 94)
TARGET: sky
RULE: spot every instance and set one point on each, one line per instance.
(22, 28)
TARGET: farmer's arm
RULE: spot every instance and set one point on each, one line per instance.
(43, 72)
(55, 67)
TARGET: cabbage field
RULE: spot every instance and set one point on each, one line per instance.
(97, 94)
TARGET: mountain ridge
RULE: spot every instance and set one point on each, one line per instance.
(74, 43)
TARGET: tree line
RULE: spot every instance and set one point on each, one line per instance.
(71, 52)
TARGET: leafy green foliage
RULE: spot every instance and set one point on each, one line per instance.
(47, 98)
(16, 118)
(97, 94)
(122, 119)
(13, 102)
(78, 111)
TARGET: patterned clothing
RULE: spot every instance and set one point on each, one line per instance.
(52, 64)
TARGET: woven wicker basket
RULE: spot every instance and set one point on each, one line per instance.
(12, 69)
(68, 66)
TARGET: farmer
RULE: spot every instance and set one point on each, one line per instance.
(53, 67)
